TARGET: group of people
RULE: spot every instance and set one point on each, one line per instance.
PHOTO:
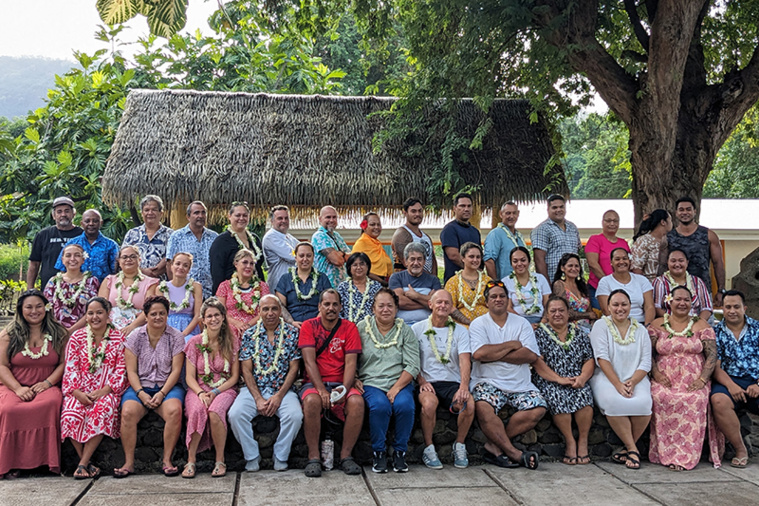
(119, 331)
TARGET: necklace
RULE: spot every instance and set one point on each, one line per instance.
(69, 301)
(255, 295)
(515, 237)
(687, 331)
(571, 334)
(615, 331)
(296, 282)
(478, 292)
(27, 352)
(207, 376)
(280, 347)
(96, 355)
(253, 248)
(164, 289)
(354, 311)
(430, 333)
(377, 343)
(120, 302)
(673, 284)
(534, 292)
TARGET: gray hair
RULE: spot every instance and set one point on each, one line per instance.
(414, 247)
(152, 198)
(198, 202)
(508, 203)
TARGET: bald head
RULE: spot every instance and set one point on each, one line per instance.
(328, 218)
(271, 310)
(441, 305)
(91, 223)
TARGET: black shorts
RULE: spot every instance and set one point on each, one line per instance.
(751, 405)
(445, 391)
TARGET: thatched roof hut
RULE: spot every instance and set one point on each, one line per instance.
(309, 151)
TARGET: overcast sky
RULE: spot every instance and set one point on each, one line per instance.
(55, 28)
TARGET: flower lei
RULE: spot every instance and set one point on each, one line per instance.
(688, 281)
(237, 295)
(687, 331)
(534, 291)
(253, 248)
(69, 301)
(207, 375)
(512, 237)
(164, 289)
(27, 352)
(353, 310)
(571, 334)
(377, 344)
(296, 280)
(430, 333)
(277, 352)
(95, 356)
(615, 331)
(478, 292)
(120, 302)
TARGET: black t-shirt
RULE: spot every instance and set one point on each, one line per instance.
(46, 247)
(222, 257)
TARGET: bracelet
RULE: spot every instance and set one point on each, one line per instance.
(702, 379)
(140, 391)
(215, 391)
(49, 385)
(161, 392)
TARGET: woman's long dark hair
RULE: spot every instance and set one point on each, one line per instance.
(18, 329)
(651, 222)
(580, 282)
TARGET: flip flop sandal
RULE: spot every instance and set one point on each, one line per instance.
(584, 460)
(81, 473)
(170, 471)
(219, 470)
(740, 463)
(499, 460)
(570, 461)
(189, 470)
(529, 460)
(313, 468)
(122, 473)
(93, 470)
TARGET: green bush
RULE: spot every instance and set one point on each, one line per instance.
(12, 258)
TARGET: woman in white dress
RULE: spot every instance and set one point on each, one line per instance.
(620, 384)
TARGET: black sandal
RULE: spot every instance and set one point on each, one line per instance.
(620, 457)
(82, 473)
(313, 468)
(529, 460)
(349, 466)
(634, 461)
(498, 460)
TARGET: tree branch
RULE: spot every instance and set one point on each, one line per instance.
(637, 26)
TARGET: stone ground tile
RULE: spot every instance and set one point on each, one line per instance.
(750, 473)
(423, 477)
(428, 496)
(158, 483)
(555, 483)
(158, 499)
(704, 472)
(47, 491)
(295, 488)
(702, 494)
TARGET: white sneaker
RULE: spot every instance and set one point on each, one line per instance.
(430, 458)
(252, 466)
(460, 456)
(279, 465)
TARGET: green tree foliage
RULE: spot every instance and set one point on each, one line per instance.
(736, 170)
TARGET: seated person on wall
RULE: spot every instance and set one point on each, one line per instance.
(467, 286)
(503, 347)
(270, 359)
(736, 374)
(299, 288)
(242, 292)
(677, 275)
(446, 365)
(330, 347)
(358, 291)
(414, 286)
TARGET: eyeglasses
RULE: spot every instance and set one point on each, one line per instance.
(129, 257)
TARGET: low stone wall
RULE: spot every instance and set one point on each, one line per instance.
(545, 439)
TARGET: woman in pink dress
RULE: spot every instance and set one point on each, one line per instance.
(212, 374)
(69, 291)
(31, 365)
(685, 354)
(127, 291)
(241, 294)
(94, 379)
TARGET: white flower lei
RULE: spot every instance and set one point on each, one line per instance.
(70, 301)
(377, 344)
(478, 292)
(277, 352)
(512, 237)
(571, 334)
(615, 331)
(687, 331)
(164, 289)
(353, 310)
(27, 352)
(237, 295)
(253, 248)
(430, 333)
(688, 282)
(314, 277)
(120, 302)
(534, 291)
(95, 356)
(207, 376)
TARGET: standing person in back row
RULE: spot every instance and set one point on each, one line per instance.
(554, 237)
(456, 233)
(700, 245)
(49, 242)
(330, 250)
(501, 240)
(409, 232)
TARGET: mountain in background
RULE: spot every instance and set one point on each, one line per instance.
(24, 82)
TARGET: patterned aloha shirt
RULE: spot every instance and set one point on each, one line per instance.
(322, 240)
(271, 383)
(152, 251)
(101, 255)
(739, 357)
(184, 241)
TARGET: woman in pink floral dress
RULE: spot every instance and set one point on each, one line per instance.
(241, 293)
(69, 291)
(212, 374)
(94, 379)
(685, 354)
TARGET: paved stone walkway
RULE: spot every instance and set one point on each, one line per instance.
(601, 483)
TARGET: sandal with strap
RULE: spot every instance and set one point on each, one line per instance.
(219, 470)
(620, 457)
(570, 461)
(313, 468)
(739, 462)
(583, 460)
(189, 470)
(93, 470)
(633, 463)
(81, 473)
(529, 460)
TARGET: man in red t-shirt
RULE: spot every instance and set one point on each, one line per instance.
(330, 348)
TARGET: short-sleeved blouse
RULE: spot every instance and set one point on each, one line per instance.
(249, 297)
(154, 364)
(302, 309)
(68, 315)
(645, 255)
(529, 301)
(121, 317)
(701, 300)
(462, 294)
(357, 305)
(216, 363)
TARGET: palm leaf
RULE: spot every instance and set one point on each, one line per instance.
(113, 12)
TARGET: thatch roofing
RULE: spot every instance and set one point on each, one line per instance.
(309, 151)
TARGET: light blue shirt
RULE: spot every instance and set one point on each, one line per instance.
(184, 241)
(498, 246)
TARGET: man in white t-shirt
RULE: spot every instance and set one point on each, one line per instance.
(503, 347)
(444, 377)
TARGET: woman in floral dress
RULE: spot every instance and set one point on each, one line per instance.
(568, 283)
(69, 291)
(93, 381)
(241, 294)
(358, 291)
(467, 286)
